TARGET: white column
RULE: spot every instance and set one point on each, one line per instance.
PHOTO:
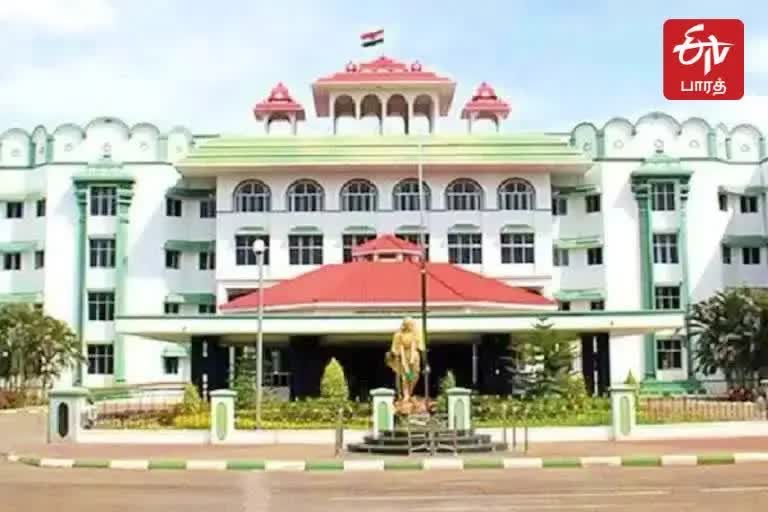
(459, 409)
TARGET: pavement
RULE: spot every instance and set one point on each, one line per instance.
(631, 489)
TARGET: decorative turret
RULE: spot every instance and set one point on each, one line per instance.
(485, 105)
(279, 106)
(384, 87)
(387, 248)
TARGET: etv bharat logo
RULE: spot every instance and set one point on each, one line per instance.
(704, 59)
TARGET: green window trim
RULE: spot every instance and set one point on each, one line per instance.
(575, 190)
(359, 230)
(586, 294)
(175, 351)
(588, 242)
(28, 246)
(21, 298)
(745, 241)
(191, 193)
(190, 298)
(305, 230)
(190, 246)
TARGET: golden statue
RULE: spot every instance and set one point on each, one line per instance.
(404, 357)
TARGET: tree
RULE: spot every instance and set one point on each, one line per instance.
(34, 346)
(333, 385)
(245, 379)
(540, 362)
(731, 330)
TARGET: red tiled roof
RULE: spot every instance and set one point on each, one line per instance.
(386, 244)
(372, 282)
(485, 101)
(279, 101)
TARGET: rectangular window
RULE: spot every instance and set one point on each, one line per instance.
(39, 259)
(305, 249)
(40, 207)
(101, 359)
(171, 308)
(350, 241)
(102, 252)
(665, 248)
(663, 197)
(101, 306)
(669, 354)
(465, 248)
(517, 248)
(172, 207)
(595, 256)
(726, 254)
(171, 365)
(750, 255)
(667, 297)
(12, 261)
(103, 201)
(564, 306)
(597, 305)
(172, 259)
(415, 238)
(208, 208)
(207, 261)
(14, 209)
(206, 309)
(722, 202)
(559, 206)
(244, 254)
(748, 204)
(592, 203)
(560, 257)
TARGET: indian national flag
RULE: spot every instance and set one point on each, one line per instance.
(372, 38)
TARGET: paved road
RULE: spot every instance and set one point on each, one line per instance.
(731, 488)
(715, 488)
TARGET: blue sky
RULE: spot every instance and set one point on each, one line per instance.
(203, 64)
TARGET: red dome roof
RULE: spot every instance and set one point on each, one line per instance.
(278, 102)
(485, 102)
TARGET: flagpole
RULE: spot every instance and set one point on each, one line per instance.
(423, 270)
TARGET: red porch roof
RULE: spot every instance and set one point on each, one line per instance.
(391, 283)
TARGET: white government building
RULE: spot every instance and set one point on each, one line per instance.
(141, 240)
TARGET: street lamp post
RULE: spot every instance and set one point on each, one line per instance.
(258, 250)
(423, 272)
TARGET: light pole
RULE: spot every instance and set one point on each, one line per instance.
(258, 250)
(423, 272)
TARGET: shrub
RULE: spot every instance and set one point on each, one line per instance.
(447, 382)
(333, 385)
(191, 403)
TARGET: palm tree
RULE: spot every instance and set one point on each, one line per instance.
(732, 335)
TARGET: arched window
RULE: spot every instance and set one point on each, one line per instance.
(359, 196)
(305, 196)
(406, 195)
(516, 194)
(253, 196)
(463, 194)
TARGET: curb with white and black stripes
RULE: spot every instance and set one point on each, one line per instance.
(426, 464)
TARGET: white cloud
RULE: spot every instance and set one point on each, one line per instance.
(58, 16)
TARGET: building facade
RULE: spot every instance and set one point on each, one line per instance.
(137, 238)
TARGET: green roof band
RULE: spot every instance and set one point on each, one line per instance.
(21, 298)
(585, 294)
(191, 298)
(6, 247)
(190, 246)
(587, 242)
